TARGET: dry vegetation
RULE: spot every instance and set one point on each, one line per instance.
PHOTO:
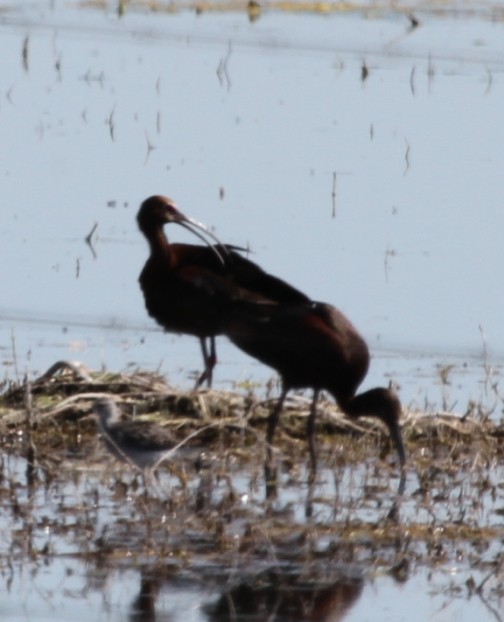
(65, 394)
(254, 8)
(214, 526)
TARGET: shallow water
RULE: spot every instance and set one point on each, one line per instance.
(248, 124)
(86, 543)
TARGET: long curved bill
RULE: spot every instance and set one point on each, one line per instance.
(195, 227)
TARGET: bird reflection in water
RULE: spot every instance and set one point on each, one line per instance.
(286, 595)
(274, 595)
(143, 608)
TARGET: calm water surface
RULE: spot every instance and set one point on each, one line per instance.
(52, 569)
(266, 114)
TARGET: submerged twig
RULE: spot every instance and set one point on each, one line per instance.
(406, 157)
(89, 241)
(150, 147)
(222, 68)
(334, 195)
(25, 53)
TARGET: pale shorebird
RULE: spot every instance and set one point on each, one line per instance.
(142, 444)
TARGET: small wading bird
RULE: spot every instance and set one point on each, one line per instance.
(312, 346)
(143, 444)
(185, 286)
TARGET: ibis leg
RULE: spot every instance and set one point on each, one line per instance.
(209, 360)
(275, 416)
(311, 433)
(270, 470)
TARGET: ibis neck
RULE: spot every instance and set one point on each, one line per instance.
(384, 405)
(158, 242)
(369, 403)
(350, 407)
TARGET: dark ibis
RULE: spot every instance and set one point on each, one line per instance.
(313, 346)
(185, 286)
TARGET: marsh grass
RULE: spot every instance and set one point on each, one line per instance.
(210, 516)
